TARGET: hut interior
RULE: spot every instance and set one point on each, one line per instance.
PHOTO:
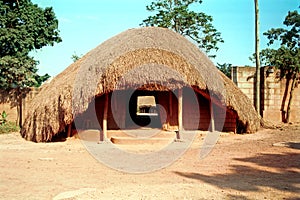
(125, 112)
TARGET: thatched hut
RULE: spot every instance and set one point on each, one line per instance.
(101, 89)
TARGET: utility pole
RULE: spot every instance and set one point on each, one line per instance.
(257, 60)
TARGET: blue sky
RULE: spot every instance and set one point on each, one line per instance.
(84, 24)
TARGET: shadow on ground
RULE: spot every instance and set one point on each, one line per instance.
(277, 171)
(293, 145)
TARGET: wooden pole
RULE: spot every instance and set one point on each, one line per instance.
(257, 59)
(212, 117)
(105, 116)
(69, 130)
(180, 109)
(170, 104)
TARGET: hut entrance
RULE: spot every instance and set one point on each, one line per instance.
(143, 110)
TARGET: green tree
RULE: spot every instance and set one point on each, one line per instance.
(41, 79)
(287, 56)
(75, 57)
(176, 15)
(23, 27)
(225, 68)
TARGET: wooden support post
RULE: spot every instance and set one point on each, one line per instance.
(170, 104)
(180, 109)
(69, 130)
(212, 117)
(177, 135)
(104, 127)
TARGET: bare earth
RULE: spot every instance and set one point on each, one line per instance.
(265, 165)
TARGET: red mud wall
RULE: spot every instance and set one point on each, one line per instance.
(196, 112)
(8, 103)
(194, 119)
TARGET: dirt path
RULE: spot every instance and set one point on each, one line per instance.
(239, 167)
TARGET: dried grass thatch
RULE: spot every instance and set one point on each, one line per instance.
(129, 60)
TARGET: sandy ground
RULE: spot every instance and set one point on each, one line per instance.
(265, 165)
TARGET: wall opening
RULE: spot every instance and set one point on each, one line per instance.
(143, 110)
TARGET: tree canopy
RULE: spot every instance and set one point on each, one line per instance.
(287, 56)
(24, 27)
(176, 15)
(225, 68)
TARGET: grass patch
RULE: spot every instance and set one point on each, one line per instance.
(8, 127)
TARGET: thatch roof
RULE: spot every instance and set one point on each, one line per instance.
(129, 60)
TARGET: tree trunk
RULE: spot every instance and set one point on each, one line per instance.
(257, 59)
(288, 110)
(20, 107)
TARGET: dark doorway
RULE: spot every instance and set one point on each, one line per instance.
(143, 111)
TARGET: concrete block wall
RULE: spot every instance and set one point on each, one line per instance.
(274, 93)
(276, 96)
(243, 77)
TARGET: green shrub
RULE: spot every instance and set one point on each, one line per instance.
(8, 127)
(3, 119)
